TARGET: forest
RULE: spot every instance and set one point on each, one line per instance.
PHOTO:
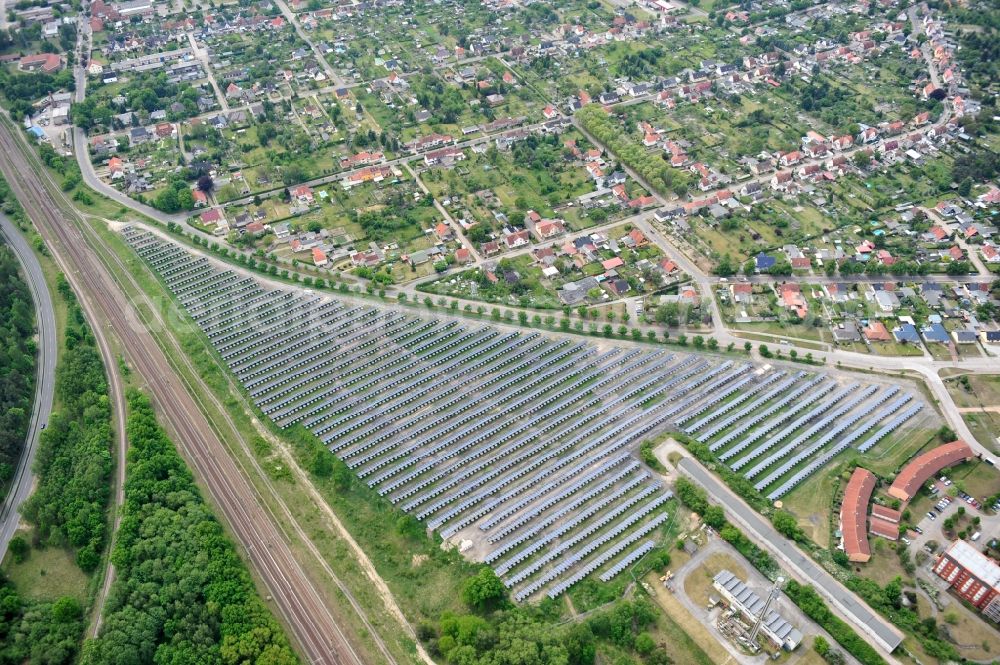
(17, 361)
(73, 463)
(38, 632)
(68, 508)
(182, 594)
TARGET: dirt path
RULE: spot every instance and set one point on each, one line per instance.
(362, 558)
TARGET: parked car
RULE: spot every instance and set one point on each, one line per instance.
(932, 516)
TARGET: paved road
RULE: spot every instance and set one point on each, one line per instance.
(24, 477)
(310, 621)
(866, 621)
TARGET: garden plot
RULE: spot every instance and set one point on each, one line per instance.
(516, 447)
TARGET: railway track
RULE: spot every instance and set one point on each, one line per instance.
(310, 622)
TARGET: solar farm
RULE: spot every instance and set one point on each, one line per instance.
(516, 446)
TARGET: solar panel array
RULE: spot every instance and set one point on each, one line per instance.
(513, 444)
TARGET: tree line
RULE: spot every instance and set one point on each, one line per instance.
(73, 463)
(17, 361)
(68, 507)
(182, 594)
(654, 170)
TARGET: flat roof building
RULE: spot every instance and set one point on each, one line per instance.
(926, 466)
(974, 576)
(738, 596)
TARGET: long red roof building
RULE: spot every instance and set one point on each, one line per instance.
(854, 515)
(926, 466)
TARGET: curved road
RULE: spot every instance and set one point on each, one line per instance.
(310, 621)
(10, 513)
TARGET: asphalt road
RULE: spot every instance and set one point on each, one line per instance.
(865, 621)
(10, 513)
(310, 621)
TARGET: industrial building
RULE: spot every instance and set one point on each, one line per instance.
(740, 597)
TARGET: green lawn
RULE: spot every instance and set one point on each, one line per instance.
(48, 574)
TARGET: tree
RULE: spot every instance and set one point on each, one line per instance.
(66, 609)
(725, 266)
(965, 187)
(714, 517)
(19, 548)
(644, 643)
(322, 463)
(786, 524)
(206, 184)
(484, 590)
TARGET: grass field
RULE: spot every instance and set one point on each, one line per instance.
(810, 503)
(976, 392)
(977, 478)
(983, 390)
(47, 575)
(692, 643)
(985, 427)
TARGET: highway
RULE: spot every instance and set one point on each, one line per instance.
(311, 623)
(24, 477)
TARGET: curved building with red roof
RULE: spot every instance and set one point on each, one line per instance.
(926, 466)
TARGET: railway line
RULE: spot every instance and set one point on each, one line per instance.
(310, 621)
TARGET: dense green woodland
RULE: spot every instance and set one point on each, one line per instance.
(182, 594)
(74, 459)
(21, 89)
(68, 508)
(17, 361)
(39, 633)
